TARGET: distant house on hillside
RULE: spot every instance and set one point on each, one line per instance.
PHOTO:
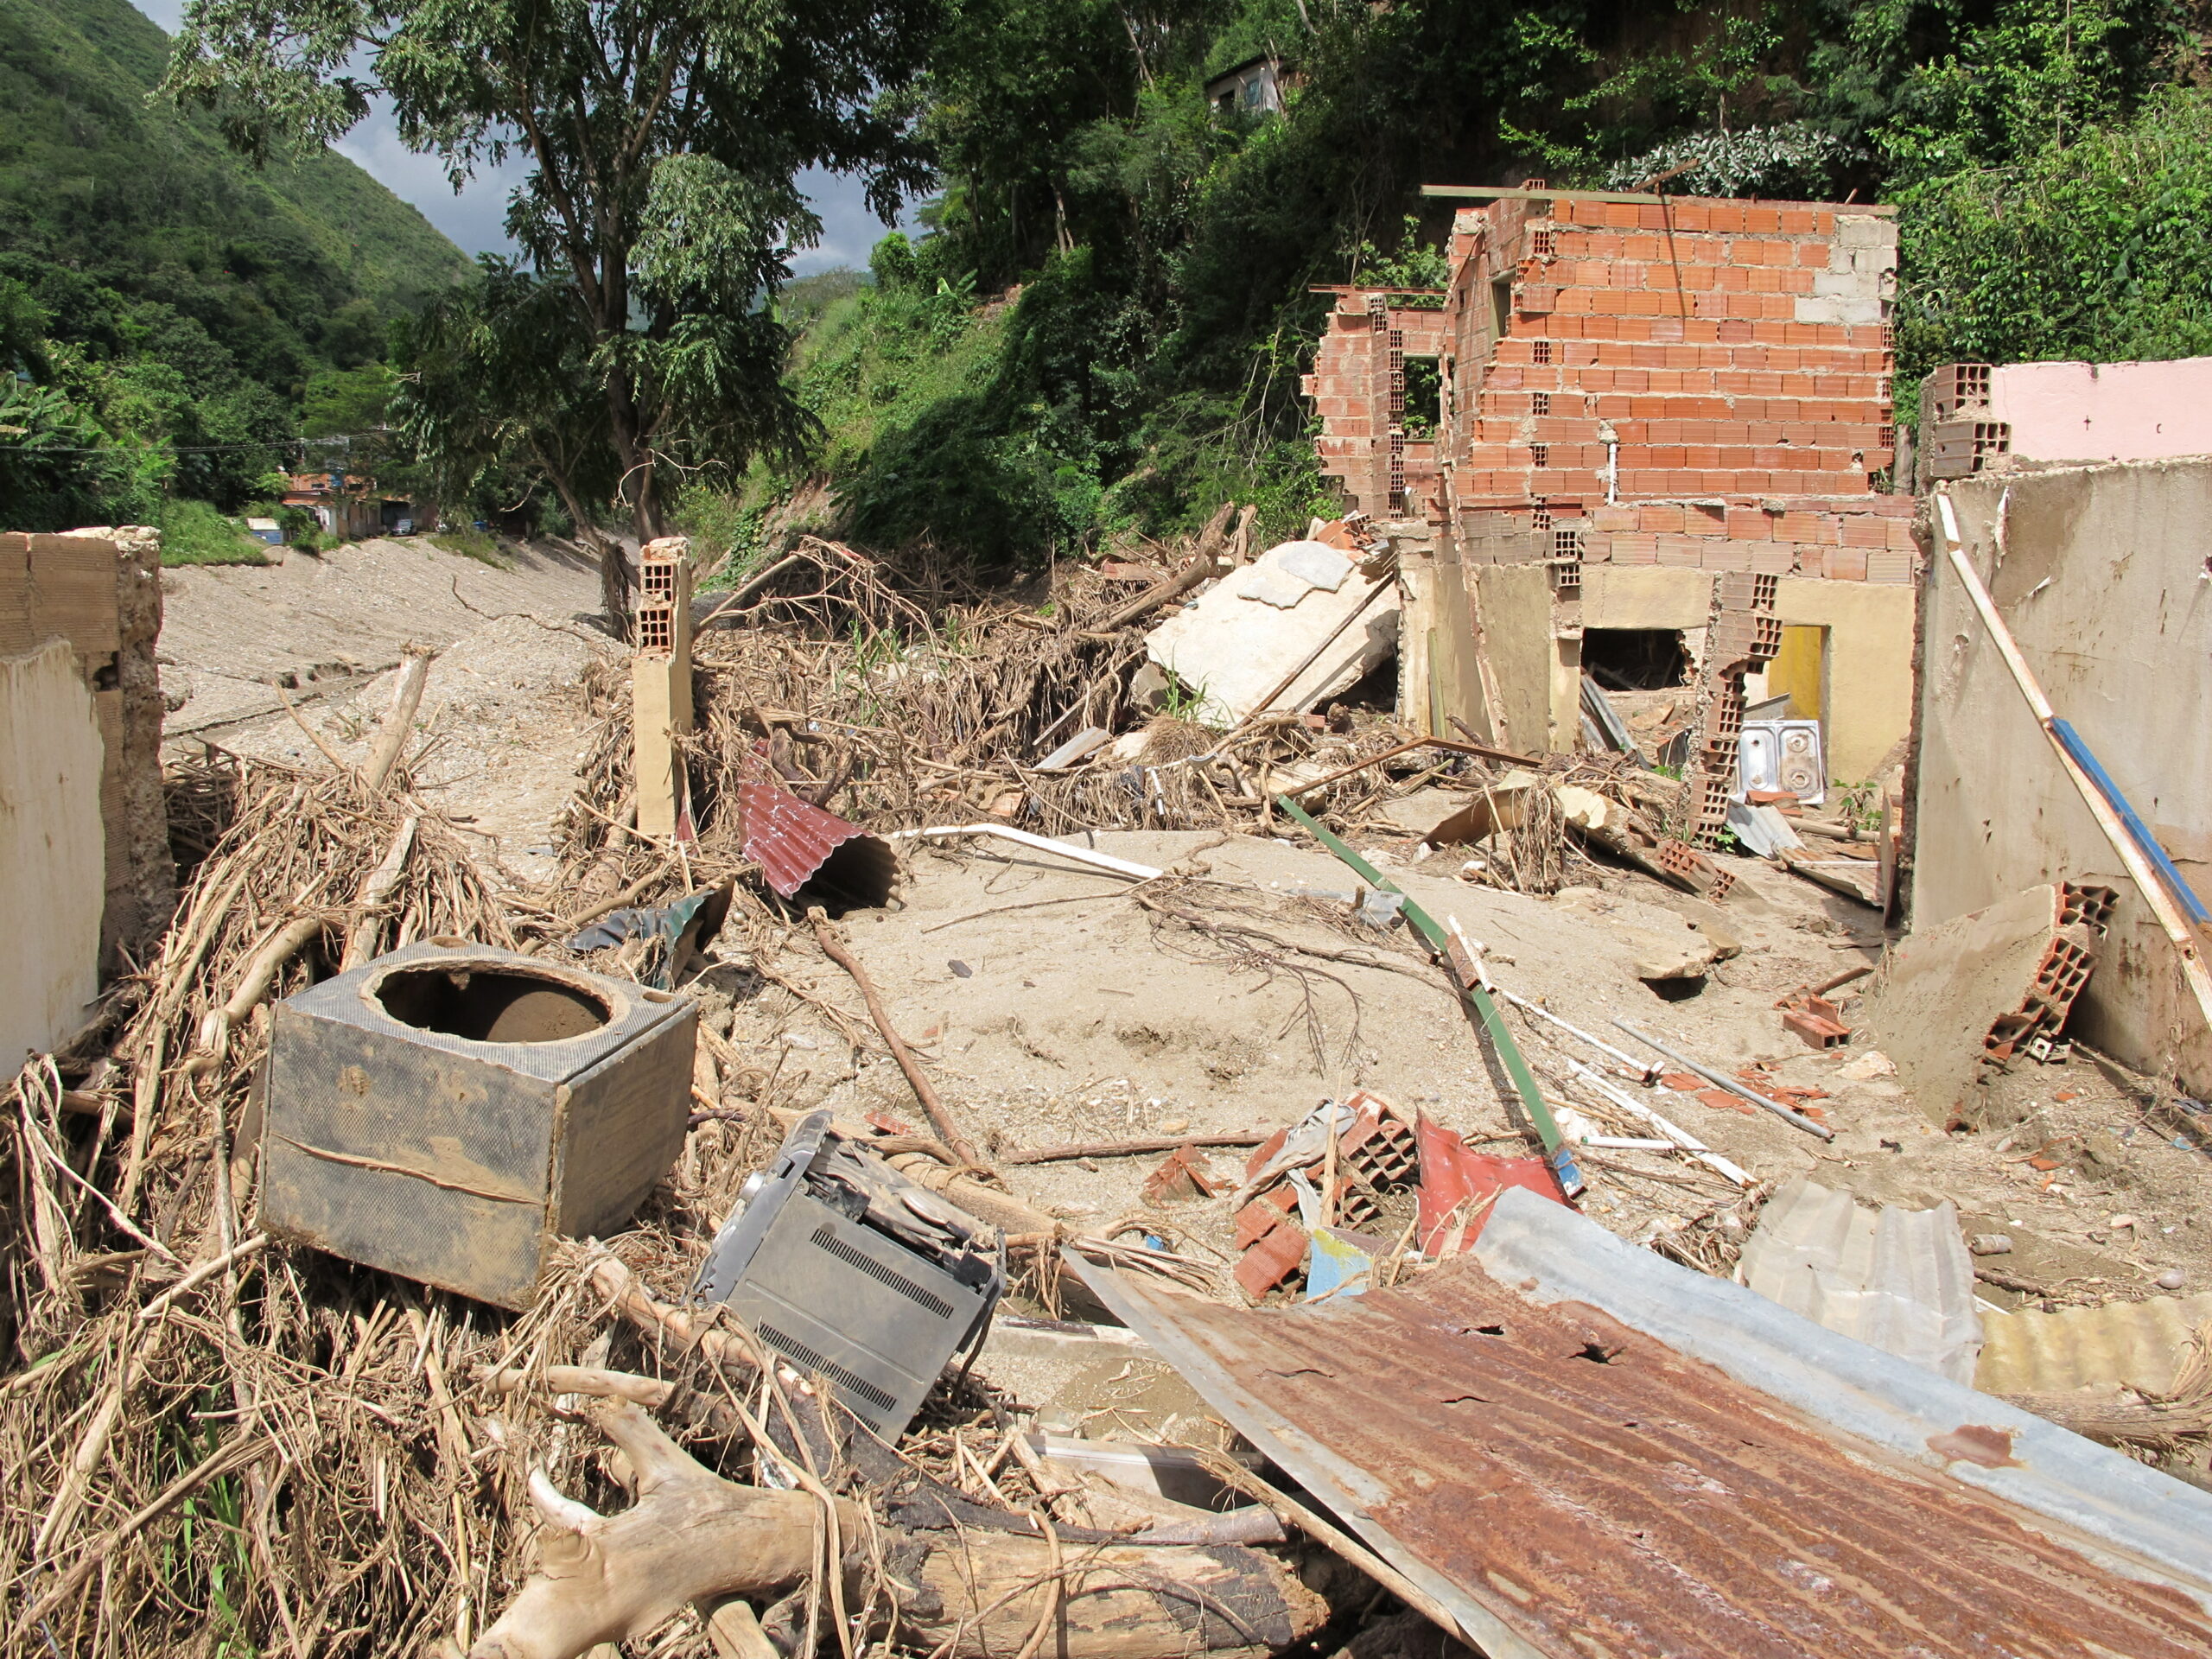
(1253, 87)
(265, 530)
(349, 506)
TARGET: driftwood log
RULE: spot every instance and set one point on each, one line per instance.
(693, 1538)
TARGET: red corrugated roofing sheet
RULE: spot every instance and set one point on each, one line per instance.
(786, 837)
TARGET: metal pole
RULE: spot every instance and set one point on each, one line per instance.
(1719, 1080)
(2139, 869)
(1557, 1150)
(1644, 1073)
(1675, 1132)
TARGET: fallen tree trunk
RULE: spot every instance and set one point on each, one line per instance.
(693, 1537)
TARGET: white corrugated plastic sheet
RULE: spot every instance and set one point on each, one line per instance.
(1898, 1279)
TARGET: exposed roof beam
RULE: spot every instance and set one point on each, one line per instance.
(1501, 193)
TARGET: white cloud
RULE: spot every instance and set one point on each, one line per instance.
(849, 229)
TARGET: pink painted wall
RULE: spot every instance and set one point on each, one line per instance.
(2105, 411)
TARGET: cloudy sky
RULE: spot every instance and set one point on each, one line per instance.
(473, 218)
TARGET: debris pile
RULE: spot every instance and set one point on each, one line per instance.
(900, 703)
(410, 1261)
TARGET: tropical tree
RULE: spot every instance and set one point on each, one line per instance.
(663, 139)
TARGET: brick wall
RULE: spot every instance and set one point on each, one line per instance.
(1720, 348)
(1358, 389)
(1719, 360)
(1848, 539)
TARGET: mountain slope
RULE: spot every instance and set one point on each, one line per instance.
(123, 192)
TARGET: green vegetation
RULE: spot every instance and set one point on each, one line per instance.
(627, 349)
(172, 305)
(1103, 330)
(195, 533)
(476, 545)
(1099, 332)
(2097, 251)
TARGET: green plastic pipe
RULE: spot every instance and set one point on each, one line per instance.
(1557, 1149)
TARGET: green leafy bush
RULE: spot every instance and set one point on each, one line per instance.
(2097, 251)
(195, 533)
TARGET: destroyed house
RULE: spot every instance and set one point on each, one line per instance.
(1617, 399)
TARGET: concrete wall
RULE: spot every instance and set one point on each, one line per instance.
(86, 884)
(53, 849)
(1512, 607)
(2104, 411)
(2101, 574)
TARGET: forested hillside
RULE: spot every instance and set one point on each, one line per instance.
(1104, 328)
(174, 308)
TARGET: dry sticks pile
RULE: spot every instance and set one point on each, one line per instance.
(900, 700)
(206, 1430)
(203, 1431)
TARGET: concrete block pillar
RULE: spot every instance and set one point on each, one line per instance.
(660, 686)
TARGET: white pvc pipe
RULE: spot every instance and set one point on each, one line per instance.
(1044, 844)
(1674, 1132)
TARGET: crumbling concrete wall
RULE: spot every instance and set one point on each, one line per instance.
(2099, 573)
(51, 848)
(84, 834)
(140, 880)
(1512, 608)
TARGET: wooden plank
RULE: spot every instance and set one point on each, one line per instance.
(2131, 857)
(1499, 193)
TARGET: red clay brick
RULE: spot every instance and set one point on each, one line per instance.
(1272, 1259)
(1634, 550)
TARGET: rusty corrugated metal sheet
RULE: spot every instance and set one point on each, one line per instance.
(2137, 1344)
(789, 840)
(1569, 1486)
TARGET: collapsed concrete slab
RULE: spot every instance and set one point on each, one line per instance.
(1300, 613)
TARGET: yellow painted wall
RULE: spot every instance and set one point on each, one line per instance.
(1869, 666)
(1800, 673)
